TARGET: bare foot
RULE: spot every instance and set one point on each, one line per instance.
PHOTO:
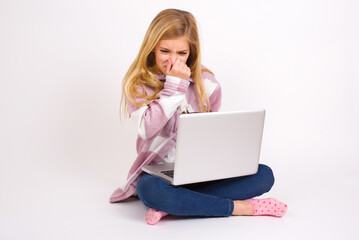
(242, 208)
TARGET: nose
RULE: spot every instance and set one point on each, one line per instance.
(173, 58)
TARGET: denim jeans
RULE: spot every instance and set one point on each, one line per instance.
(214, 198)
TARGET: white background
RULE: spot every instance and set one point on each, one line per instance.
(63, 149)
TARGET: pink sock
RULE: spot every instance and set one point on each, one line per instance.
(153, 216)
(268, 206)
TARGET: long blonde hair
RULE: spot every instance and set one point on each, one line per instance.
(168, 24)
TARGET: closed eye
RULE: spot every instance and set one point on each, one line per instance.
(166, 51)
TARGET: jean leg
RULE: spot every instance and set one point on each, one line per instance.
(156, 193)
(241, 188)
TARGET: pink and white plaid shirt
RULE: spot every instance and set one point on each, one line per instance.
(157, 123)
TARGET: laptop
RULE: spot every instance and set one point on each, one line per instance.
(213, 146)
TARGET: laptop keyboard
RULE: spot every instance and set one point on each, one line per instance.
(168, 173)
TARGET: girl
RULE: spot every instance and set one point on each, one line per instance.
(165, 80)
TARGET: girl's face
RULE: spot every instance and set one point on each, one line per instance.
(175, 48)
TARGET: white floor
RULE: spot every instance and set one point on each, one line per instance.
(50, 202)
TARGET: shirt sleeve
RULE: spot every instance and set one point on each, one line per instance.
(216, 99)
(151, 119)
(214, 91)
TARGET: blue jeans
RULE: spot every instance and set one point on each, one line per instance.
(214, 198)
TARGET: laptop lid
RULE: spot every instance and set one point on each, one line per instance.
(217, 145)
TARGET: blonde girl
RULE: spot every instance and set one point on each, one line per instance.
(165, 80)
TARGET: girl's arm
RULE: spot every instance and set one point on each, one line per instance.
(216, 99)
(214, 91)
(153, 117)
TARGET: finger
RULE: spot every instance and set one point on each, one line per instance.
(179, 65)
(176, 62)
(184, 67)
(169, 64)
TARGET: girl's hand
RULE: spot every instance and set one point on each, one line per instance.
(178, 69)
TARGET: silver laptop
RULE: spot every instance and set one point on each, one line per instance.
(213, 146)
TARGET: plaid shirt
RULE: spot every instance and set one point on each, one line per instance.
(157, 123)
